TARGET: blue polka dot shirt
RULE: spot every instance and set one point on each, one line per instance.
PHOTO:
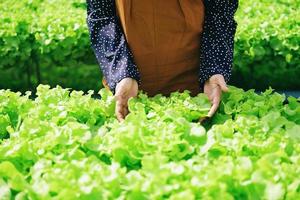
(117, 62)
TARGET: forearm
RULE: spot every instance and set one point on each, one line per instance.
(109, 44)
(217, 42)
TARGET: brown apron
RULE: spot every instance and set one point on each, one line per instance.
(164, 37)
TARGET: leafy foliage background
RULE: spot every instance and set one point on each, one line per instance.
(47, 41)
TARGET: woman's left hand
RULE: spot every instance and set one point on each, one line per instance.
(213, 88)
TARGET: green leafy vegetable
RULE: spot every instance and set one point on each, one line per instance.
(68, 145)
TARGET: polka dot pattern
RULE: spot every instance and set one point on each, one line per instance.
(109, 44)
(217, 42)
(116, 60)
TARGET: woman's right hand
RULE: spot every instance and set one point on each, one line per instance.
(125, 89)
(213, 88)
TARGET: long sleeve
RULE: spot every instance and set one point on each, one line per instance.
(109, 44)
(217, 44)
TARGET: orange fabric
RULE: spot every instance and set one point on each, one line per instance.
(104, 83)
(164, 37)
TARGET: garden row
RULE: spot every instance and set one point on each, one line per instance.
(46, 41)
(267, 50)
(67, 145)
(38, 36)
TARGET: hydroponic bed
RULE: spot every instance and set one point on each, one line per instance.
(68, 145)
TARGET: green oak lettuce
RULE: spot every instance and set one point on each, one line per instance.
(65, 144)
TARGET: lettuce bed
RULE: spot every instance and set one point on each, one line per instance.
(69, 145)
(267, 45)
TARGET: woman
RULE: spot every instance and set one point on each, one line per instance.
(162, 46)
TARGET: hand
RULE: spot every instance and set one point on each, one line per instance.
(213, 88)
(125, 89)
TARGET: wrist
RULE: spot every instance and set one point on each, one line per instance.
(126, 83)
(215, 77)
(125, 80)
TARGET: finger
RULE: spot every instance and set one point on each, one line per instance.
(223, 85)
(120, 116)
(214, 92)
(119, 111)
(210, 94)
(212, 110)
(215, 106)
(126, 111)
(125, 107)
(210, 97)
